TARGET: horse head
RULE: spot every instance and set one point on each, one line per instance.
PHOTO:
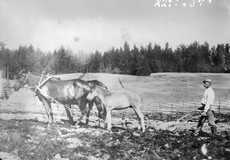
(98, 91)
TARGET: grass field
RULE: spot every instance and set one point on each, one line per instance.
(160, 91)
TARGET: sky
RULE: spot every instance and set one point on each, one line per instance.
(89, 25)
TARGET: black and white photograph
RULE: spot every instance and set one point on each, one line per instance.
(114, 79)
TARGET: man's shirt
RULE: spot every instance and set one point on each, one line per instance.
(208, 99)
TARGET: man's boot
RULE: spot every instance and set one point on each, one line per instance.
(197, 131)
(213, 130)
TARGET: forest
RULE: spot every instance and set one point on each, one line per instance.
(133, 60)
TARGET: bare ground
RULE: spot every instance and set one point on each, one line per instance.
(165, 138)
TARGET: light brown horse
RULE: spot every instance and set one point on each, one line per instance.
(118, 101)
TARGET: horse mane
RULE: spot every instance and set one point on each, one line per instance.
(96, 83)
(80, 81)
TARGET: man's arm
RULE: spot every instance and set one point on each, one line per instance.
(203, 102)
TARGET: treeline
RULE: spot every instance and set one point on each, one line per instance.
(133, 60)
(154, 58)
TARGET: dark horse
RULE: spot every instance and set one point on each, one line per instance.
(66, 92)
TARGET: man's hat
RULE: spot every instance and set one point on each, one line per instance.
(207, 80)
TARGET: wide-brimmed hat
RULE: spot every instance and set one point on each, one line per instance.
(207, 80)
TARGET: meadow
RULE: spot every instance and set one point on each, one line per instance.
(159, 91)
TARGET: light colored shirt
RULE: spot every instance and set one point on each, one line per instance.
(208, 99)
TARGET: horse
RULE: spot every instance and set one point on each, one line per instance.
(118, 101)
(66, 92)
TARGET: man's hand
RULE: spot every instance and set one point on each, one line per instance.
(201, 107)
(204, 113)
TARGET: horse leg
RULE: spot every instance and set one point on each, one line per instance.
(68, 113)
(90, 106)
(108, 119)
(140, 117)
(83, 109)
(101, 111)
(48, 109)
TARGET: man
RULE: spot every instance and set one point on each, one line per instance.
(207, 108)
